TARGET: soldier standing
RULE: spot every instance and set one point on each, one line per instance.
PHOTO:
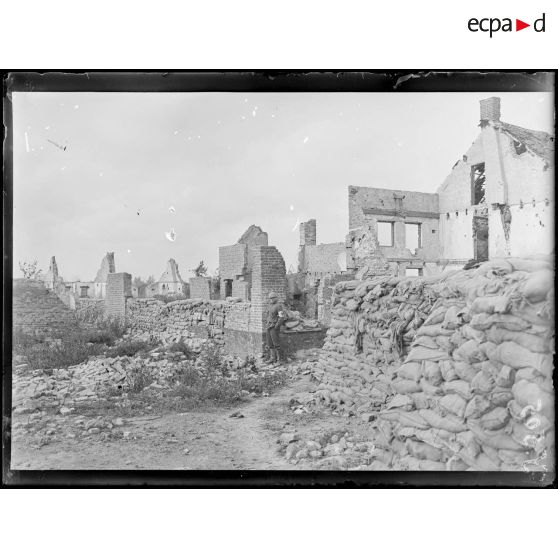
(274, 319)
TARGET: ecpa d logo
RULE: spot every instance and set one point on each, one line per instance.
(494, 24)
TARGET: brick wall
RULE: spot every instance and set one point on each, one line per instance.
(119, 288)
(324, 257)
(232, 261)
(268, 274)
(200, 287)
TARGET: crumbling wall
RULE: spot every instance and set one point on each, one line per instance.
(455, 371)
(225, 323)
(268, 274)
(37, 311)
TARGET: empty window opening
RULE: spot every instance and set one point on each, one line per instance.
(228, 287)
(413, 239)
(519, 147)
(84, 290)
(478, 179)
(385, 233)
(433, 231)
(413, 272)
(297, 296)
(447, 215)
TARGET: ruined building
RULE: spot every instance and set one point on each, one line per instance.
(170, 282)
(107, 266)
(51, 277)
(236, 263)
(497, 201)
(498, 198)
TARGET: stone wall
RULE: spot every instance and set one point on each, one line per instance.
(40, 312)
(226, 323)
(455, 371)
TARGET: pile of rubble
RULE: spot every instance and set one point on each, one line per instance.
(455, 372)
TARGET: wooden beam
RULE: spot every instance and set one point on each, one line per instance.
(403, 214)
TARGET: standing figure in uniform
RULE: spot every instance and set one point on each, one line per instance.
(274, 319)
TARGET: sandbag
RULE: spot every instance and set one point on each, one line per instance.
(483, 382)
(472, 333)
(485, 321)
(491, 304)
(498, 439)
(433, 330)
(449, 422)
(495, 419)
(469, 352)
(401, 402)
(405, 386)
(436, 316)
(516, 356)
(429, 388)
(425, 341)
(454, 404)
(477, 406)
(422, 353)
(469, 443)
(421, 450)
(497, 265)
(420, 399)
(527, 393)
(410, 371)
(501, 398)
(534, 343)
(461, 387)
(451, 319)
(530, 265)
(448, 371)
(505, 377)
(464, 371)
(431, 372)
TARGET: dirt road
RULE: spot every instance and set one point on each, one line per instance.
(193, 440)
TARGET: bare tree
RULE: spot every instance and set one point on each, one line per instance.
(200, 270)
(29, 269)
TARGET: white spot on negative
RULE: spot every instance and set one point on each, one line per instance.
(47, 127)
(296, 225)
(306, 139)
(76, 106)
(291, 207)
(175, 132)
(272, 116)
(254, 113)
(129, 251)
(171, 235)
(26, 143)
(171, 209)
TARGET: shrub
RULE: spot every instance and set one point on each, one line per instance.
(138, 378)
(180, 346)
(170, 297)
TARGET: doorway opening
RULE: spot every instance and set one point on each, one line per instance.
(480, 238)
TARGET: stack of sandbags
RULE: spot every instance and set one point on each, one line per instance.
(475, 392)
(373, 324)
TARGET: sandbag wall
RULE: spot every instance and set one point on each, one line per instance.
(458, 377)
(372, 326)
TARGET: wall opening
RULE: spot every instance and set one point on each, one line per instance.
(413, 239)
(228, 287)
(478, 178)
(385, 233)
(84, 289)
(480, 238)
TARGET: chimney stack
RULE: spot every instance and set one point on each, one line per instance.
(308, 233)
(490, 109)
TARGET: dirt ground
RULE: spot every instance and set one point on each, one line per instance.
(211, 439)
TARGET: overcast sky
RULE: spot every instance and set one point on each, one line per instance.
(208, 165)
